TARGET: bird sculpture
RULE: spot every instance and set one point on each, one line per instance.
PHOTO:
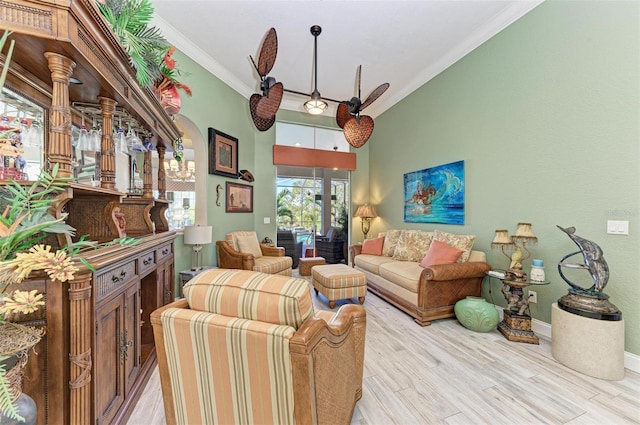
(515, 259)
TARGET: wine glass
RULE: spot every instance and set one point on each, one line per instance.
(94, 137)
(83, 138)
(34, 134)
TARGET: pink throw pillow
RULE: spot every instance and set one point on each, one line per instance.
(440, 253)
(373, 246)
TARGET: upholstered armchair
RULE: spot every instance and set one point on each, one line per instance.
(241, 250)
(248, 348)
(288, 240)
(331, 246)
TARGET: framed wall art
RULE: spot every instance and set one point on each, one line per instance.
(223, 154)
(435, 195)
(239, 197)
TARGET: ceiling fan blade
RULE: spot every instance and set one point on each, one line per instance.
(342, 115)
(374, 95)
(358, 130)
(268, 104)
(268, 53)
(262, 124)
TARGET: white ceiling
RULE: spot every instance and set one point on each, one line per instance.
(404, 43)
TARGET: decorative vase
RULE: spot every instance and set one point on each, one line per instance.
(477, 314)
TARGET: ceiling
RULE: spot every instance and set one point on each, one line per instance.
(404, 43)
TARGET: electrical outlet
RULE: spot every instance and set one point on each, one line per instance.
(533, 297)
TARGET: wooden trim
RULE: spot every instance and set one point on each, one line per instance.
(305, 157)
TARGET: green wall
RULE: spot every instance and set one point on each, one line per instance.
(545, 116)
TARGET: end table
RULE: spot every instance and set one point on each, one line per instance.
(187, 275)
(516, 324)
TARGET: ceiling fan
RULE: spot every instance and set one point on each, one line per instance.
(263, 107)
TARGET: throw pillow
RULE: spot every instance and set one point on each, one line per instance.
(372, 246)
(248, 244)
(440, 253)
(464, 242)
(390, 242)
(412, 245)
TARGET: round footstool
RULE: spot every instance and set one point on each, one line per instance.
(339, 282)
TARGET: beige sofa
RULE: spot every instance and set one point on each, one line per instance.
(425, 293)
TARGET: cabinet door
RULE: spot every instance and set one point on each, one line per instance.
(130, 339)
(109, 377)
(169, 283)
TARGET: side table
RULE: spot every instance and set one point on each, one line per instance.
(516, 323)
(187, 275)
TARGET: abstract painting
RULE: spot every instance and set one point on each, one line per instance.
(435, 195)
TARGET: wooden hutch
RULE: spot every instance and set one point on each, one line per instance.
(98, 351)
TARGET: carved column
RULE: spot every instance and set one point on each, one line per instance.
(162, 177)
(107, 147)
(147, 176)
(81, 325)
(60, 149)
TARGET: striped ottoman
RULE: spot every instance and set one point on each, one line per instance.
(339, 282)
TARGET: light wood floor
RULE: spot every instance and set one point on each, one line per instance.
(446, 374)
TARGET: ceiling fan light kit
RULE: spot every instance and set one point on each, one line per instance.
(263, 107)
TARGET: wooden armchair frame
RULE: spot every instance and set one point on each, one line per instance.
(327, 361)
(229, 258)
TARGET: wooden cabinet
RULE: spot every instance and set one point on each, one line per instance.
(98, 351)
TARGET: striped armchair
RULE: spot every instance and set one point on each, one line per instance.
(241, 250)
(248, 348)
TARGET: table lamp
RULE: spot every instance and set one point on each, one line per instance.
(515, 244)
(366, 212)
(197, 236)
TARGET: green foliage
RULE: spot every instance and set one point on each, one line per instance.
(146, 46)
(6, 406)
(25, 219)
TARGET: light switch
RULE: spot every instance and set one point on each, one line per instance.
(617, 227)
(267, 220)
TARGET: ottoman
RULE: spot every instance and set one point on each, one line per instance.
(305, 264)
(339, 282)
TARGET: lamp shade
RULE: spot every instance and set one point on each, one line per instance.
(524, 231)
(366, 211)
(197, 235)
(502, 238)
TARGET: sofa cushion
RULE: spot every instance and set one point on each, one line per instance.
(249, 244)
(412, 245)
(232, 238)
(463, 242)
(371, 263)
(373, 246)
(405, 274)
(440, 253)
(249, 295)
(390, 241)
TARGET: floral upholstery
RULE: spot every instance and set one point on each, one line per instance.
(412, 245)
(463, 242)
(390, 241)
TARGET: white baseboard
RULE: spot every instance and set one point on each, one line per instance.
(543, 329)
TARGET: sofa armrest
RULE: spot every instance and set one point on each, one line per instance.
(455, 271)
(353, 251)
(229, 258)
(272, 251)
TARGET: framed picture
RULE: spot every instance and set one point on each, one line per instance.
(239, 198)
(435, 195)
(223, 154)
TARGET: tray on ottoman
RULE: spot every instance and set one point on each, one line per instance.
(339, 282)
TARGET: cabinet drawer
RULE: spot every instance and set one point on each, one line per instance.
(164, 252)
(114, 279)
(146, 261)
